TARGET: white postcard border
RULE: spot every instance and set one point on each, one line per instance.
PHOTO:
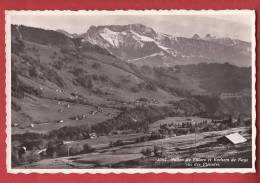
(10, 13)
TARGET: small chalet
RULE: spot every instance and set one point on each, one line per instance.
(234, 138)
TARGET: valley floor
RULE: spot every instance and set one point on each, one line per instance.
(185, 151)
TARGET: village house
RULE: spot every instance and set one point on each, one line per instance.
(93, 135)
(234, 138)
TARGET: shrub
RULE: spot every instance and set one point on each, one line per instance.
(77, 72)
(119, 143)
(76, 149)
(150, 87)
(64, 50)
(14, 156)
(95, 77)
(32, 144)
(158, 151)
(17, 45)
(103, 78)
(15, 106)
(116, 143)
(33, 72)
(31, 90)
(134, 89)
(155, 136)
(25, 157)
(70, 133)
(111, 144)
(96, 65)
(85, 82)
(34, 156)
(58, 65)
(179, 91)
(147, 152)
(87, 148)
(66, 150)
(143, 99)
(30, 157)
(97, 91)
(142, 139)
(17, 90)
(52, 75)
(146, 69)
(52, 148)
(61, 150)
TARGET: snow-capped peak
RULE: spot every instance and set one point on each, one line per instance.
(141, 37)
(110, 36)
(140, 40)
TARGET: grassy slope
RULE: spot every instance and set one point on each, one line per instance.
(49, 67)
(111, 84)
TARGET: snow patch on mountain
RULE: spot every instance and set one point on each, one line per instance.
(162, 47)
(115, 38)
(139, 37)
(110, 36)
(163, 36)
(124, 33)
(148, 56)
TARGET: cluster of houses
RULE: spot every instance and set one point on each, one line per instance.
(175, 129)
(145, 101)
(228, 95)
(233, 122)
(59, 91)
(188, 126)
(79, 117)
(31, 125)
(83, 116)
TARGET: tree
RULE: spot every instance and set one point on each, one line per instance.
(118, 143)
(195, 36)
(87, 148)
(76, 149)
(96, 65)
(33, 72)
(51, 148)
(147, 152)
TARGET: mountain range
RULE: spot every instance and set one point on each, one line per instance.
(141, 45)
(118, 68)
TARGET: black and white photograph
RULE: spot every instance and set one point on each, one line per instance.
(130, 91)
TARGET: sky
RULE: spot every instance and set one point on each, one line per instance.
(236, 26)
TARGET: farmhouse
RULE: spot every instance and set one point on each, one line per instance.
(21, 151)
(93, 135)
(15, 124)
(60, 121)
(60, 110)
(41, 151)
(93, 112)
(234, 138)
